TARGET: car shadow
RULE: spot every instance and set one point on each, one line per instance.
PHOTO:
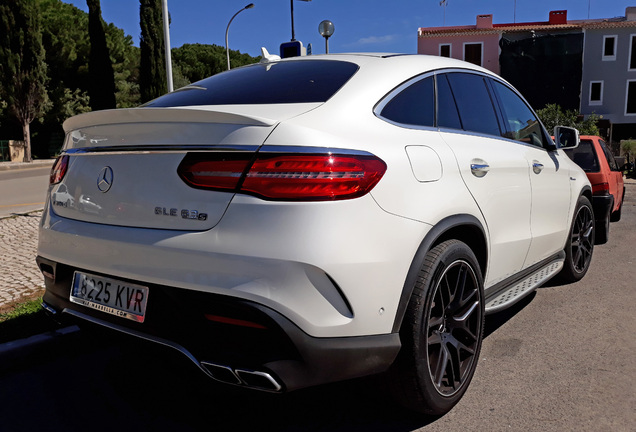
(177, 396)
(496, 320)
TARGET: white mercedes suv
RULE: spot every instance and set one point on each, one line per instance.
(307, 220)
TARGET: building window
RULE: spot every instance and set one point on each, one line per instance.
(596, 93)
(632, 52)
(630, 98)
(609, 48)
(445, 50)
(472, 53)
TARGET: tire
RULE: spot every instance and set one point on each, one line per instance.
(580, 244)
(616, 216)
(442, 331)
(602, 230)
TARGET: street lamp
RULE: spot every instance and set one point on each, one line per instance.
(227, 48)
(326, 29)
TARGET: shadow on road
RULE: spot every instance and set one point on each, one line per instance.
(97, 383)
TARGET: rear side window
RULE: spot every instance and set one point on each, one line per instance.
(273, 83)
(584, 156)
(414, 105)
(610, 157)
(474, 103)
(447, 115)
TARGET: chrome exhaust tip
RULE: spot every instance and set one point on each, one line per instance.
(259, 380)
(222, 373)
(256, 380)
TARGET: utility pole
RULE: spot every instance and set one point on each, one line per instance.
(166, 39)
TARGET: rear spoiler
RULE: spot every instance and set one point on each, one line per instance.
(162, 115)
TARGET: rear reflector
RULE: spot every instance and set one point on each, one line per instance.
(285, 177)
(234, 321)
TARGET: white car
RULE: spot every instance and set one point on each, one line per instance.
(308, 220)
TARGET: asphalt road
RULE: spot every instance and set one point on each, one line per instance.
(562, 360)
(23, 190)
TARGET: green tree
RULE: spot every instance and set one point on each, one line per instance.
(125, 58)
(198, 61)
(67, 44)
(23, 71)
(152, 74)
(552, 115)
(102, 78)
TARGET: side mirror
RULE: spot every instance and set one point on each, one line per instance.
(566, 137)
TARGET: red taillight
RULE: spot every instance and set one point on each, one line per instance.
(59, 170)
(287, 177)
(218, 172)
(600, 189)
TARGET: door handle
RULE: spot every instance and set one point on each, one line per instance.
(479, 168)
(537, 167)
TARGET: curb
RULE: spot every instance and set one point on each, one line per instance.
(37, 163)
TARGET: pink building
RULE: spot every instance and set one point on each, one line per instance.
(479, 43)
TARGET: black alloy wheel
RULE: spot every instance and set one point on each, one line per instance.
(454, 328)
(441, 332)
(580, 244)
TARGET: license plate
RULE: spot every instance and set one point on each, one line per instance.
(114, 297)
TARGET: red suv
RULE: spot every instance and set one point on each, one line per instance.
(606, 177)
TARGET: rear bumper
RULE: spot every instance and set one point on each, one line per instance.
(276, 355)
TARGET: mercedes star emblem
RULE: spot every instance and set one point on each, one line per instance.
(105, 179)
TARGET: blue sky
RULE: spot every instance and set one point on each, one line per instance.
(360, 25)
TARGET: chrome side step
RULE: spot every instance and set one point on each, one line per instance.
(516, 292)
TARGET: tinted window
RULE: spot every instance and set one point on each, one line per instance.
(584, 156)
(414, 105)
(520, 122)
(284, 82)
(474, 103)
(447, 115)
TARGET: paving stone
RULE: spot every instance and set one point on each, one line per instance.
(19, 276)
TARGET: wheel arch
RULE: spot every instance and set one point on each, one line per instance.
(587, 192)
(463, 227)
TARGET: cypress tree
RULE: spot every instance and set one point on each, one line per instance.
(152, 73)
(102, 78)
(23, 72)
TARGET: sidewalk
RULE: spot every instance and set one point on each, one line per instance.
(20, 277)
(36, 163)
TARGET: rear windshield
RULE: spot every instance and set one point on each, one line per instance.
(584, 156)
(273, 83)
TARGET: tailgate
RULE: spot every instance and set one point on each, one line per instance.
(122, 167)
